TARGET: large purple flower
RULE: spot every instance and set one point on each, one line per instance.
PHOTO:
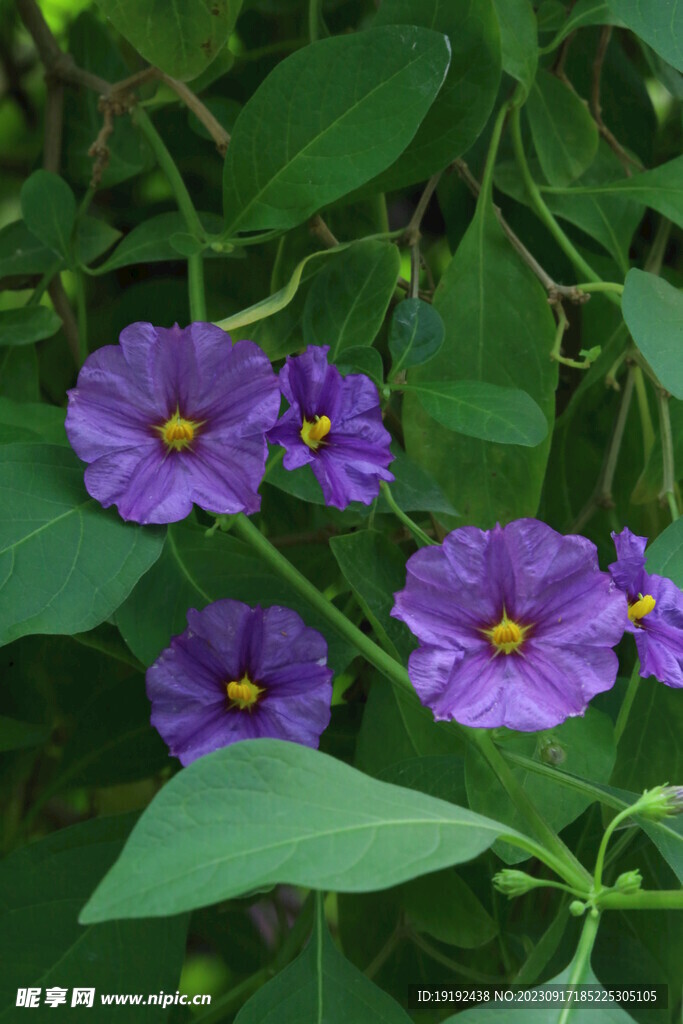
(240, 673)
(655, 611)
(516, 626)
(335, 424)
(172, 417)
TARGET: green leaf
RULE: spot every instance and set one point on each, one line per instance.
(149, 242)
(585, 12)
(416, 334)
(653, 311)
(463, 105)
(651, 481)
(28, 421)
(665, 554)
(93, 237)
(181, 37)
(564, 133)
(27, 324)
(321, 987)
(658, 22)
(499, 330)
(22, 253)
(42, 888)
(649, 751)
(444, 906)
(295, 816)
(193, 571)
(486, 411)
(49, 210)
(65, 564)
(16, 735)
(587, 744)
(519, 42)
(375, 569)
(610, 219)
(362, 360)
(660, 189)
(349, 297)
(288, 158)
(19, 373)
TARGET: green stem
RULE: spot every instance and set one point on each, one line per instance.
(571, 869)
(644, 411)
(627, 703)
(167, 164)
(417, 532)
(553, 852)
(452, 965)
(668, 468)
(544, 213)
(644, 899)
(82, 318)
(601, 286)
(45, 282)
(313, 20)
(487, 179)
(581, 963)
(231, 1001)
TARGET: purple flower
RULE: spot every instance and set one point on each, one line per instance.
(335, 424)
(516, 626)
(172, 417)
(240, 673)
(655, 611)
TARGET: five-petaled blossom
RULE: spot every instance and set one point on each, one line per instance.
(516, 626)
(335, 424)
(240, 673)
(172, 417)
(655, 610)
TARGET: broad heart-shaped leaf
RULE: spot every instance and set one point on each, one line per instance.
(321, 987)
(653, 311)
(375, 569)
(486, 411)
(416, 334)
(499, 330)
(27, 324)
(42, 888)
(658, 22)
(565, 135)
(290, 156)
(294, 815)
(65, 563)
(665, 555)
(661, 189)
(193, 571)
(49, 210)
(518, 37)
(181, 37)
(463, 106)
(610, 219)
(349, 297)
(31, 421)
(588, 746)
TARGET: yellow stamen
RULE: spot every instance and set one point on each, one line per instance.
(507, 636)
(312, 433)
(177, 432)
(640, 608)
(243, 693)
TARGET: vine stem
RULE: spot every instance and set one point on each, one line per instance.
(668, 469)
(544, 213)
(582, 959)
(627, 702)
(416, 531)
(555, 854)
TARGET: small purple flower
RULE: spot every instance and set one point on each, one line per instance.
(335, 424)
(240, 673)
(172, 417)
(516, 626)
(655, 611)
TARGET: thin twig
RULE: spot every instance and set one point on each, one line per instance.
(66, 315)
(201, 112)
(668, 491)
(54, 119)
(320, 230)
(411, 235)
(555, 291)
(602, 494)
(57, 63)
(625, 158)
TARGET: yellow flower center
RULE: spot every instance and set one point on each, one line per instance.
(507, 636)
(640, 608)
(243, 693)
(178, 433)
(313, 432)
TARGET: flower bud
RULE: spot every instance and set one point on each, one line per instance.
(514, 883)
(577, 908)
(660, 802)
(630, 881)
(553, 753)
